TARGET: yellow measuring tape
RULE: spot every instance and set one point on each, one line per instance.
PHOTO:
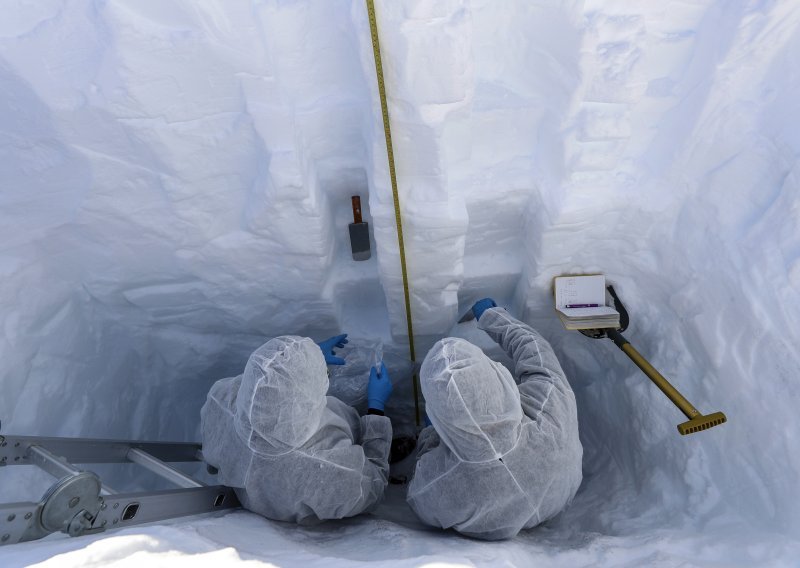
(376, 50)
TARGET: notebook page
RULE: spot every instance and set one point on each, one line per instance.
(572, 290)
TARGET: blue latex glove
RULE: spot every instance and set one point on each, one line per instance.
(481, 306)
(379, 387)
(327, 349)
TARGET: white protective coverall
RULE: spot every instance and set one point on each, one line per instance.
(499, 457)
(293, 453)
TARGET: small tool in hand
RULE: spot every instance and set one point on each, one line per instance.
(469, 316)
(359, 233)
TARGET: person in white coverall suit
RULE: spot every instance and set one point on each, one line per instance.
(499, 456)
(293, 453)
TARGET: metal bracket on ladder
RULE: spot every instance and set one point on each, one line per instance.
(79, 503)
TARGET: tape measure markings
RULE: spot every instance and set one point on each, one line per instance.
(376, 50)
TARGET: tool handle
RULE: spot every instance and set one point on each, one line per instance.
(624, 320)
(659, 380)
(356, 209)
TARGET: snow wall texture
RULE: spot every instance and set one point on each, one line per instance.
(175, 189)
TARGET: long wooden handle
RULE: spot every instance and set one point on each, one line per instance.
(658, 379)
(356, 209)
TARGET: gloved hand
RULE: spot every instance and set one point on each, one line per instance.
(481, 306)
(379, 387)
(327, 349)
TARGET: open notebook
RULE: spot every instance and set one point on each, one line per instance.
(581, 302)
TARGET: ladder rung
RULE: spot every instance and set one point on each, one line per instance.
(55, 466)
(160, 468)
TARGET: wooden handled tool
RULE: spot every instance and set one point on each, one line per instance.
(359, 232)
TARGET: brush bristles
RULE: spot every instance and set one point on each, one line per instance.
(701, 423)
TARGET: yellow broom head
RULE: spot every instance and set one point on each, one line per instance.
(699, 423)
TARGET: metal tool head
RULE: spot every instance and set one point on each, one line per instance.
(359, 232)
(702, 422)
(469, 316)
(359, 241)
(594, 333)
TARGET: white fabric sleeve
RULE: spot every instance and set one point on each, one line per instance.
(428, 440)
(376, 440)
(541, 379)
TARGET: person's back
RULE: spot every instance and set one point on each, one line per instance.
(501, 458)
(292, 453)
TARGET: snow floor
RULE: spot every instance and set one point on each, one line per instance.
(392, 537)
(175, 182)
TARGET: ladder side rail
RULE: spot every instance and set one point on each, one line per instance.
(13, 449)
(18, 522)
(127, 509)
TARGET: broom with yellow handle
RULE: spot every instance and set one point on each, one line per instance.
(697, 422)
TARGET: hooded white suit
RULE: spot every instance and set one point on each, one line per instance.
(499, 457)
(292, 453)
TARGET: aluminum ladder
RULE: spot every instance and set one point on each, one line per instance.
(80, 503)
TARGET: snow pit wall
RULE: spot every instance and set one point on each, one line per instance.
(176, 182)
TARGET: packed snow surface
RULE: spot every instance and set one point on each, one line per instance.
(176, 181)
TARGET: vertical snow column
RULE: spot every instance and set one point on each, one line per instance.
(477, 96)
(741, 300)
(311, 112)
(506, 154)
(314, 111)
(596, 131)
(428, 70)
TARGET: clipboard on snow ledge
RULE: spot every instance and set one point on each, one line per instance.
(581, 302)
